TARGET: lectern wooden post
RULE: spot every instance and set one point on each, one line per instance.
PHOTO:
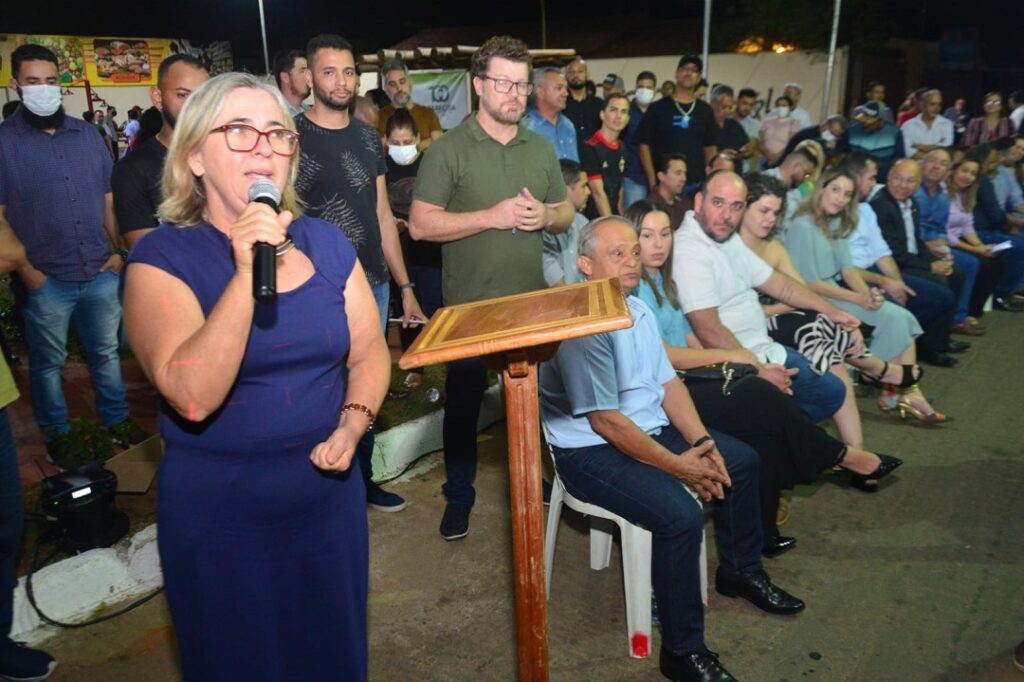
(514, 333)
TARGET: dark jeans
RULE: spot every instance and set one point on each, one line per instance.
(818, 396)
(1011, 259)
(793, 449)
(428, 292)
(657, 501)
(11, 522)
(934, 306)
(464, 391)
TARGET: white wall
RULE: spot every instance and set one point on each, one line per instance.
(761, 71)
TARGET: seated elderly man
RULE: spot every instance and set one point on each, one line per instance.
(718, 278)
(626, 437)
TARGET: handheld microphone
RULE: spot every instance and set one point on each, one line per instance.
(264, 265)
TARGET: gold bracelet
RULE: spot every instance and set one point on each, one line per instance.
(361, 408)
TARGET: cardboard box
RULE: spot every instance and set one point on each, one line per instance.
(136, 467)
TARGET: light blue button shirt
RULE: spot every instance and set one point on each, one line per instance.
(867, 245)
(561, 134)
(672, 323)
(623, 370)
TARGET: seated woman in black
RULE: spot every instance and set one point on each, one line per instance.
(793, 448)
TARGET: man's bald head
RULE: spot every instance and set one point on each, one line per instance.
(719, 205)
(904, 179)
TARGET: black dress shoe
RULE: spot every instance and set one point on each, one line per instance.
(939, 360)
(700, 666)
(757, 588)
(957, 346)
(777, 545)
(869, 482)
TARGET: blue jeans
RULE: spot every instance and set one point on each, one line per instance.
(818, 396)
(428, 291)
(633, 191)
(1012, 261)
(96, 312)
(656, 500)
(11, 522)
(364, 449)
(966, 263)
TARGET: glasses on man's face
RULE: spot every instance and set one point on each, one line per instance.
(503, 86)
(244, 138)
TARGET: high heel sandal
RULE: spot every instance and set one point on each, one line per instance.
(869, 482)
(908, 380)
(905, 406)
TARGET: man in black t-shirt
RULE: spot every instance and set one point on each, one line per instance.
(135, 181)
(584, 110)
(603, 158)
(680, 124)
(731, 135)
(341, 180)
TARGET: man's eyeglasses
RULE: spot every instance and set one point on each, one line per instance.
(503, 86)
(244, 138)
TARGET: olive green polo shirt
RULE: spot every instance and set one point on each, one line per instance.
(8, 391)
(468, 170)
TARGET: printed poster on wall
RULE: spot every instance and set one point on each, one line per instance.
(446, 92)
(108, 61)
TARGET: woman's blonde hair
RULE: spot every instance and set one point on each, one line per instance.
(184, 195)
(848, 217)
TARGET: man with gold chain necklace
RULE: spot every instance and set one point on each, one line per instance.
(680, 124)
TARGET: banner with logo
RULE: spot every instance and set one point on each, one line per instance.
(109, 61)
(446, 92)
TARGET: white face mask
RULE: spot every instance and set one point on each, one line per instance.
(402, 154)
(828, 136)
(41, 100)
(782, 112)
(644, 96)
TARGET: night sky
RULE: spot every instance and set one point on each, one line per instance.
(373, 25)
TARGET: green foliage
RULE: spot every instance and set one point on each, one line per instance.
(85, 441)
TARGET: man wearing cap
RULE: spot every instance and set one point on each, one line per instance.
(546, 116)
(582, 109)
(613, 85)
(793, 92)
(873, 136)
(680, 124)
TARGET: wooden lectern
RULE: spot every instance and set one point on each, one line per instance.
(514, 333)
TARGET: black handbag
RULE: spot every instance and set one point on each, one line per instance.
(728, 373)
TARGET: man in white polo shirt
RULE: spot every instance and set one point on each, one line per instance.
(717, 277)
(928, 130)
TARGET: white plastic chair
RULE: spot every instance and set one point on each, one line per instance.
(636, 560)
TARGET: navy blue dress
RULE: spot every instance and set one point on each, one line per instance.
(265, 557)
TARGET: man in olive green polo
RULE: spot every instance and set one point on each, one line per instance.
(486, 189)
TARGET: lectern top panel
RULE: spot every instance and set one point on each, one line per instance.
(534, 318)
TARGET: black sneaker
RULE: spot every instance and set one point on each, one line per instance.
(18, 663)
(381, 500)
(127, 434)
(455, 522)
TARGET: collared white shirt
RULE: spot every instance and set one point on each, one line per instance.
(916, 131)
(867, 245)
(802, 116)
(1017, 117)
(908, 225)
(751, 125)
(724, 275)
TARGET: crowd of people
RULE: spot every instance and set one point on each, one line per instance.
(769, 264)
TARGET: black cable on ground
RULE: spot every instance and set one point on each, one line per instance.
(32, 598)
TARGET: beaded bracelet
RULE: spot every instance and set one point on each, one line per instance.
(361, 408)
